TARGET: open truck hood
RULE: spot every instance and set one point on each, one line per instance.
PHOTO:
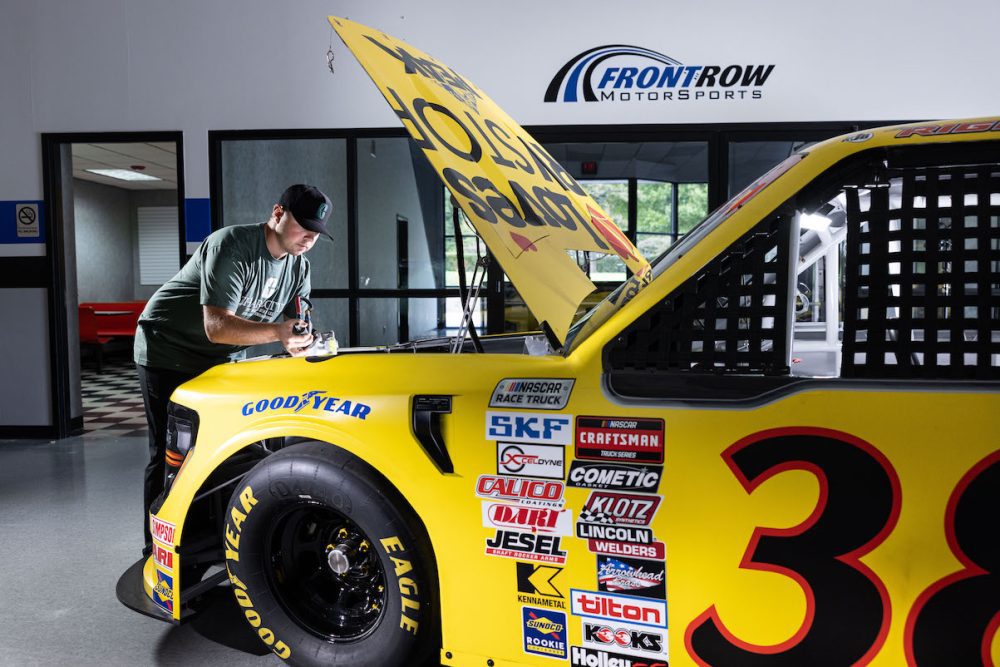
(523, 203)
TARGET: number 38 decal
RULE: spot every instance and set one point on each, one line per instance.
(848, 611)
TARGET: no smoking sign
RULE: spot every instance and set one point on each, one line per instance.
(26, 216)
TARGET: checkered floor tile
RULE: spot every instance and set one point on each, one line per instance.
(112, 402)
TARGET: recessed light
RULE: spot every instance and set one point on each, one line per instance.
(123, 174)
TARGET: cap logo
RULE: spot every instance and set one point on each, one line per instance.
(321, 212)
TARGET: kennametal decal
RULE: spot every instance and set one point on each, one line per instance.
(537, 393)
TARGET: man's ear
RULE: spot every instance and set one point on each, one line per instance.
(277, 211)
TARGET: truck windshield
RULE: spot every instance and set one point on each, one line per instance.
(624, 293)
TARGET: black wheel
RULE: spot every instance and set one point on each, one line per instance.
(328, 562)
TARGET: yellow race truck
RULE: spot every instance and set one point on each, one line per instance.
(685, 474)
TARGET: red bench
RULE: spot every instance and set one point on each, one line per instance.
(102, 321)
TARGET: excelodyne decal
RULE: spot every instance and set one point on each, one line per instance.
(524, 460)
(624, 73)
(619, 439)
(541, 393)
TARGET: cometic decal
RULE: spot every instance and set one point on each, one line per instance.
(544, 632)
(529, 427)
(545, 520)
(536, 585)
(540, 393)
(629, 576)
(526, 546)
(619, 439)
(315, 401)
(524, 460)
(613, 476)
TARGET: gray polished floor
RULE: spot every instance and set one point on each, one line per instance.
(70, 524)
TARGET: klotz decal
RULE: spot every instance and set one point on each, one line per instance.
(619, 439)
(537, 393)
(530, 427)
(622, 509)
(544, 632)
(524, 460)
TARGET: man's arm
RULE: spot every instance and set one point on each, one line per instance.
(225, 327)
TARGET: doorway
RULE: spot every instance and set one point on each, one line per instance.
(116, 203)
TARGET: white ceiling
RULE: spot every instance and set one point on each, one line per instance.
(158, 159)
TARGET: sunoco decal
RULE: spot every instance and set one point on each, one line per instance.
(529, 427)
(613, 476)
(312, 401)
(545, 520)
(536, 585)
(623, 73)
(643, 642)
(619, 608)
(523, 460)
(632, 577)
(526, 546)
(163, 591)
(619, 439)
(541, 393)
(544, 632)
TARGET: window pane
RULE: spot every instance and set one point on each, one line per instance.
(692, 205)
(652, 245)
(654, 210)
(256, 172)
(393, 320)
(394, 183)
(751, 159)
(471, 246)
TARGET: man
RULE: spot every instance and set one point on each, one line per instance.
(230, 295)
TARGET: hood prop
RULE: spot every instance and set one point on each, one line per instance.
(469, 299)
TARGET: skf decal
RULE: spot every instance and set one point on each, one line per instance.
(536, 586)
(313, 401)
(526, 546)
(544, 632)
(163, 556)
(613, 476)
(652, 551)
(616, 574)
(619, 608)
(633, 73)
(950, 128)
(548, 520)
(529, 427)
(619, 439)
(637, 640)
(526, 491)
(540, 393)
(163, 591)
(161, 530)
(623, 509)
(523, 460)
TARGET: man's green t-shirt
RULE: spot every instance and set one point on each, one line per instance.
(233, 269)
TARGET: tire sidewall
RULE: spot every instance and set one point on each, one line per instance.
(308, 474)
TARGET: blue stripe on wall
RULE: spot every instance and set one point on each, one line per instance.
(197, 220)
(9, 223)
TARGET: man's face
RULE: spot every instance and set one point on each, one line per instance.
(293, 237)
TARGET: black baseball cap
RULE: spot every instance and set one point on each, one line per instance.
(310, 207)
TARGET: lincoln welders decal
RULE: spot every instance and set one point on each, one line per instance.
(619, 439)
(310, 401)
(624, 73)
(543, 393)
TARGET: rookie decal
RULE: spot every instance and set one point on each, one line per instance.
(161, 530)
(623, 509)
(619, 439)
(234, 528)
(585, 657)
(619, 608)
(526, 546)
(950, 128)
(547, 520)
(163, 591)
(523, 460)
(544, 632)
(613, 476)
(312, 401)
(526, 491)
(529, 427)
(540, 393)
(652, 551)
(636, 640)
(616, 574)
(536, 585)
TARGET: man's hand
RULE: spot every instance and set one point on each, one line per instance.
(295, 344)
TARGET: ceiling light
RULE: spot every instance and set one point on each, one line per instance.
(123, 174)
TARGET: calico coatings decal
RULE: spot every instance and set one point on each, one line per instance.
(619, 439)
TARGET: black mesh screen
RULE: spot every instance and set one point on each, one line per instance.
(923, 276)
(730, 317)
